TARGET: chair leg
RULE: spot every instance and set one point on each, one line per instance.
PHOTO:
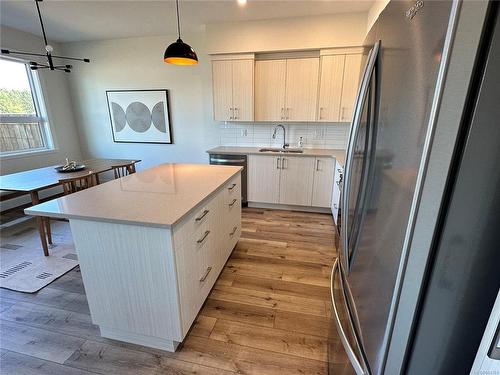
(48, 230)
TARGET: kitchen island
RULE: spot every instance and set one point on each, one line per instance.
(151, 246)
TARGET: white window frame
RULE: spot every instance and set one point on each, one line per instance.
(41, 115)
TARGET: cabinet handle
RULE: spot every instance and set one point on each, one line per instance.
(342, 114)
(236, 113)
(287, 116)
(231, 113)
(321, 109)
(335, 205)
(205, 275)
(233, 202)
(278, 163)
(200, 218)
(282, 113)
(317, 164)
(231, 187)
(284, 163)
(233, 232)
(202, 239)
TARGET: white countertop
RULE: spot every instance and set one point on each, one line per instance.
(158, 196)
(338, 154)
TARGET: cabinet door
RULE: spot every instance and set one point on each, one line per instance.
(352, 72)
(302, 89)
(270, 90)
(296, 181)
(243, 90)
(330, 88)
(323, 182)
(264, 178)
(222, 90)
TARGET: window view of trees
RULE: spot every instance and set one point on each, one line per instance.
(16, 101)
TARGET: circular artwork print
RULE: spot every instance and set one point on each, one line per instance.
(158, 117)
(138, 117)
(119, 119)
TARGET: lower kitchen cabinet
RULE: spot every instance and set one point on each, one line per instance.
(290, 180)
(264, 178)
(296, 180)
(323, 182)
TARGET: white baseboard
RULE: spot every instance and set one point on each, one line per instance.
(135, 338)
(291, 207)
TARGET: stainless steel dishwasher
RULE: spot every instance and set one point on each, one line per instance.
(237, 160)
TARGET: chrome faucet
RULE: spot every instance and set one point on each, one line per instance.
(285, 145)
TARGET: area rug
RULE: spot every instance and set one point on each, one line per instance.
(23, 267)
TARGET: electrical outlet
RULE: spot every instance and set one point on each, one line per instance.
(244, 132)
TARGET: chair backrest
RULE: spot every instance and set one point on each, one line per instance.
(123, 170)
(82, 182)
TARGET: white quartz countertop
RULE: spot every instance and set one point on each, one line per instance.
(158, 196)
(338, 154)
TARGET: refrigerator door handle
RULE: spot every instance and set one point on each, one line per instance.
(356, 121)
(358, 367)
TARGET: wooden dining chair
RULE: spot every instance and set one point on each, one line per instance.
(78, 183)
(72, 185)
(123, 170)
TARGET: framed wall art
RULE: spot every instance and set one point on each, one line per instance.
(139, 116)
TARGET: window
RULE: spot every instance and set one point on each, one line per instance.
(23, 120)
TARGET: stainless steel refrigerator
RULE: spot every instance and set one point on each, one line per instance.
(406, 61)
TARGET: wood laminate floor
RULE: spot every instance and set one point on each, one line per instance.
(268, 313)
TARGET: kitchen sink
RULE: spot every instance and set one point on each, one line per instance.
(282, 150)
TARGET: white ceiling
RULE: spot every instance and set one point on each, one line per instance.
(77, 20)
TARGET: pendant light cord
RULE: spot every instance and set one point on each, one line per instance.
(178, 21)
(41, 23)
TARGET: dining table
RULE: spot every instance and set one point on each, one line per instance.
(35, 180)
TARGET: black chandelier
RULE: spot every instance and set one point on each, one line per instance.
(48, 53)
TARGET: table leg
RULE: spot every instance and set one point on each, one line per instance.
(39, 220)
(48, 230)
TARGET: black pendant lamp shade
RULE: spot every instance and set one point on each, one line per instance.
(180, 53)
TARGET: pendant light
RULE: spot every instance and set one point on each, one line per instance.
(50, 62)
(180, 53)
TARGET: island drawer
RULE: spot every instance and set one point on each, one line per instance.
(190, 228)
(232, 190)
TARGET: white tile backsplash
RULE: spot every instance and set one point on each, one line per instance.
(314, 135)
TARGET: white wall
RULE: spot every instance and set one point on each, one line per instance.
(136, 63)
(338, 30)
(374, 12)
(59, 107)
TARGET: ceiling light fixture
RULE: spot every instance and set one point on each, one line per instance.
(242, 2)
(180, 53)
(48, 52)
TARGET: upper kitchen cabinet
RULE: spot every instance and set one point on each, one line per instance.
(352, 72)
(330, 89)
(286, 89)
(301, 89)
(339, 80)
(233, 89)
(270, 76)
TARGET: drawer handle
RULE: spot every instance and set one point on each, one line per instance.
(233, 202)
(231, 187)
(200, 218)
(205, 275)
(233, 232)
(205, 235)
